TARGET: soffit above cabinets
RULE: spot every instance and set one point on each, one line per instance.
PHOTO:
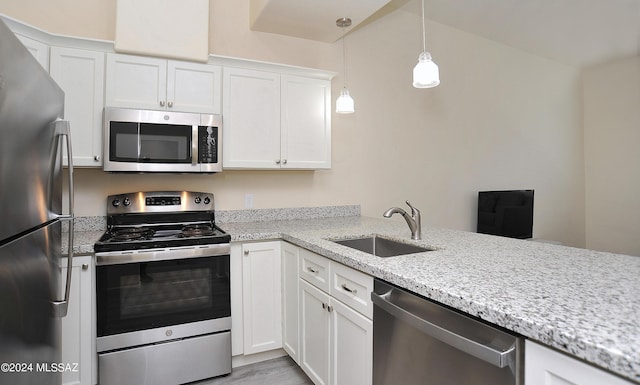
(310, 19)
(164, 28)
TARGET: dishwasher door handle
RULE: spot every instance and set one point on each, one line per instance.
(486, 353)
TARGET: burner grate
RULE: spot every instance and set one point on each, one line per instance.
(132, 234)
(197, 230)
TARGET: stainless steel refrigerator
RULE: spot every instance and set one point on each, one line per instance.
(32, 139)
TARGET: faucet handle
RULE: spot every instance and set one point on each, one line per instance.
(414, 210)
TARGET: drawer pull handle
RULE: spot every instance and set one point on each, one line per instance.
(312, 270)
(346, 288)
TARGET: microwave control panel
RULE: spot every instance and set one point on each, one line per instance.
(208, 144)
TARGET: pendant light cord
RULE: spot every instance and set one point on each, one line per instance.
(344, 56)
(424, 31)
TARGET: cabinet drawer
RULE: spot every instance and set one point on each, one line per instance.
(314, 269)
(352, 288)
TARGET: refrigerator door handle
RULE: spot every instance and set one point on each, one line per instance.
(60, 307)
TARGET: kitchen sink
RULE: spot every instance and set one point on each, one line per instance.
(381, 247)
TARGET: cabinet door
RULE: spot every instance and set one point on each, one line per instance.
(544, 366)
(136, 82)
(251, 112)
(193, 87)
(290, 293)
(351, 346)
(78, 334)
(39, 50)
(306, 123)
(80, 74)
(315, 332)
(262, 296)
(237, 316)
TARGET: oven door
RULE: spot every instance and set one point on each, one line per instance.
(148, 302)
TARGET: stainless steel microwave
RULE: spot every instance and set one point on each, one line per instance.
(161, 141)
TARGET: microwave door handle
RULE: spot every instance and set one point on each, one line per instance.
(194, 144)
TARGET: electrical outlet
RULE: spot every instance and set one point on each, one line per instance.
(248, 201)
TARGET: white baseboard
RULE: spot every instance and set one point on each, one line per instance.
(242, 360)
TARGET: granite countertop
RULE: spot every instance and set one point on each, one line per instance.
(582, 302)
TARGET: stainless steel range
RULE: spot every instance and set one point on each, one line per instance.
(162, 290)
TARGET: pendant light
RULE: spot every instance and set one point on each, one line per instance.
(344, 104)
(425, 73)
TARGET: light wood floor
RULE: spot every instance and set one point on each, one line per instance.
(278, 371)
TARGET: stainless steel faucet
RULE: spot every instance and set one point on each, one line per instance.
(413, 220)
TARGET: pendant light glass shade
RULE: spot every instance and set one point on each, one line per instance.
(425, 73)
(345, 104)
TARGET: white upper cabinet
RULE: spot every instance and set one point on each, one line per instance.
(80, 74)
(275, 121)
(158, 84)
(251, 113)
(38, 49)
(194, 87)
(306, 123)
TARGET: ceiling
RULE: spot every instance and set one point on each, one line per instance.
(310, 19)
(575, 32)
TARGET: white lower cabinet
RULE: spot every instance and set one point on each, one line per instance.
(351, 346)
(315, 333)
(290, 300)
(336, 341)
(544, 366)
(261, 296)
(78, 327)
(237, 318)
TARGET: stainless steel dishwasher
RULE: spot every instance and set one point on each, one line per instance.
(416, 341)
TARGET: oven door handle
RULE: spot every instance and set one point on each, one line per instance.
(151, 255)
(486, 353)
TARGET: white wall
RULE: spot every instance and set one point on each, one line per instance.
(501, 119)
(612, 156)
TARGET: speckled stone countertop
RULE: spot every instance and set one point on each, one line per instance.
(582, 302)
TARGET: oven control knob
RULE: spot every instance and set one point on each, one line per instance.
(198, 200)
(207, 200)
(116, 202)
(126, 202)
